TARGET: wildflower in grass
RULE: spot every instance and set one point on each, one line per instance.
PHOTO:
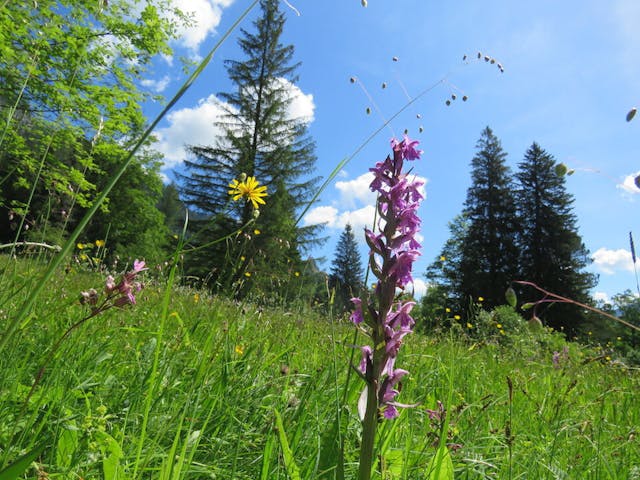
(480, 299)
(248, 189)
(239, 349)
(196, 297)
(469, 325)
(457, 317)
(393, 249)
(100, 243)
(257, 231)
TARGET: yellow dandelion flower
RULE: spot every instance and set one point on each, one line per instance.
(256, 231)
(100, 243)
(248, 189)
(83, 257)
(469, 325)
(80, 246)
(448, 310)
(498, 326)
(196, 297)
(297, 274)
(247, 274)
(239, 349)
(481, 299)
(456, 317)
(242, 258)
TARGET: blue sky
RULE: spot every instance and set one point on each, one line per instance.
(571, 74)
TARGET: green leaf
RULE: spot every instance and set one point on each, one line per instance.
(289, 462)
(527, 306)
(441, 467)
(267, 455)
(511, 297)
(67, 444)
(112, 454)
(17, 468)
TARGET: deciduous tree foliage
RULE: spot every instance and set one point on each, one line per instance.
(69, 98)
(552, 254)
(260, 140)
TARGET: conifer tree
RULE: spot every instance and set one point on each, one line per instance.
(346, 270)
(260, 140)
(552, 254)
(488, 259)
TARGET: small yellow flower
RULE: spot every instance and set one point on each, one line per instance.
(248, 189)
(589, 333)
(498, 326)
(469, 325)
(257, 232)
(80, 246)
(297, 274)
(443, 258)
(196, 297)
(481, 299)
(242, 258)
(100, 243)
(83, 257)
(448, 310)
(456, 317)
(619, 338)
(247, 274)
(239, 349)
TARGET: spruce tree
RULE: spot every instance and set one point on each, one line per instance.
(260, 140)
(552, 254)
(488, 259)
(346, 270)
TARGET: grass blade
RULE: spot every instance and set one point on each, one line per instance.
(289, 462)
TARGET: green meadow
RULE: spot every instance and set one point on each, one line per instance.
(188, 385)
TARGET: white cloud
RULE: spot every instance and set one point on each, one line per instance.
(157, 86)
(356, 192)
(323, 214)
(601, 297)
(419, 288)
(189, 126)
(611, 261)
(301, 106)
(629, 185)
(358, 219)
(198, 125)
(205, 16)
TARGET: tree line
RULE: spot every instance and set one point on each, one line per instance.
(513, 227)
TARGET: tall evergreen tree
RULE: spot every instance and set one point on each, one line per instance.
(346, 270)
(488, 260)
(552, 254)
(261, 140)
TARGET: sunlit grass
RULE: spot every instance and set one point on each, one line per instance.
(225, 367)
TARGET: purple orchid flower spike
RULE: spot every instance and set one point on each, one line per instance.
(393, 250)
